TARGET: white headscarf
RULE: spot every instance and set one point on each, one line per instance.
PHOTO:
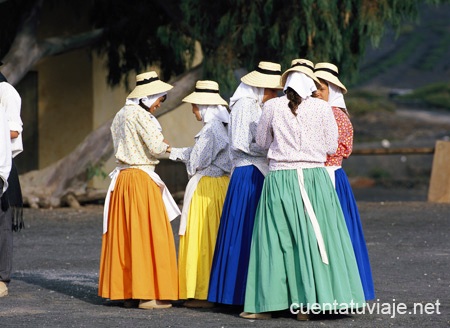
(335, 96)
(247, 91)
(300, 83)
(214, 112)
(147, 101)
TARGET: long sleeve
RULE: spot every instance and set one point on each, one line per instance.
(244, 119)
(330, 130)
(264, 134)
(5, 150)
(151, 136)
(11, 101)
(200, 156)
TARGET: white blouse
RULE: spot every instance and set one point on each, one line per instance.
(5, 149)
(244, 118)
(210, 154)
(300, 141)
(11, 101)
(137, 139)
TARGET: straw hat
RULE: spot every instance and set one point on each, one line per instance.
(329, 73)
(300, 65)
(267, 75)
(206, 93)
(148, 84)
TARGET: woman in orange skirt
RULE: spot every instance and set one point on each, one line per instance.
(138, 259)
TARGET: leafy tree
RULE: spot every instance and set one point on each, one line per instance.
(233, 34)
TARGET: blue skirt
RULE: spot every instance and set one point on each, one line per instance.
(231, 256)
(353, 221)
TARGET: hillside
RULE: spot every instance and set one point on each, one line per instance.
(418, 56)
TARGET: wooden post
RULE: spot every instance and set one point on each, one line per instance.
(439, 191)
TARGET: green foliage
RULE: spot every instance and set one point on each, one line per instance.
(95, 171)
(434, 95)
(233, 33)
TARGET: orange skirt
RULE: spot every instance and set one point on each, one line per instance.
(138, 259)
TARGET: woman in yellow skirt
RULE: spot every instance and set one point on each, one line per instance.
(208, 166)
(138, 258)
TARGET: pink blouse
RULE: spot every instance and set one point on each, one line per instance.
(345, 140)
(300, 141)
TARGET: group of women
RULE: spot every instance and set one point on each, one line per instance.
(282, 233)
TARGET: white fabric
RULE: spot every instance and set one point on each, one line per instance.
(5, 149)
(247, 91)
(331, 170)
(148, 101)
(312, 217)
(335, 96)
(171, 206)
(11, 101)
(188, 193)
(300, 83)
(214, 112)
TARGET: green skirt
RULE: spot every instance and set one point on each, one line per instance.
(286, 268)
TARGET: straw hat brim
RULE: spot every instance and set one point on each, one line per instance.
(300, 69)
(260, 80)
(150, 89)
(204, 98)
(332, 79)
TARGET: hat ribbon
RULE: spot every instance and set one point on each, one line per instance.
(206, 90)
(305, 65)
(146, 81)
(267, 71)
(327, 70)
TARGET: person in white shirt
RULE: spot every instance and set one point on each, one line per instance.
(208, 166)
(301, 256)
(138, 257)
(11, 198)
(249, 162)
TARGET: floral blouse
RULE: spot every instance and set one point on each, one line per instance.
(137, 139)
(210, 154)
(300, 141)
(244, 119)
(345, 140)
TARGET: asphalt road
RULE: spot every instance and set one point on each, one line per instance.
(56, 263)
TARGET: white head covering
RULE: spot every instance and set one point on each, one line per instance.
(247, 91)
(300, 83)
(214, 112)
(335, 96)
(147, 101)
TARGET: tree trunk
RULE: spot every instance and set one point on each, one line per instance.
(65, 182)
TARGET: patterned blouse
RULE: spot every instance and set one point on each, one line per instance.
(244, 118)
(345, 140)
(137, 139)
(300, 141)
(210, 154)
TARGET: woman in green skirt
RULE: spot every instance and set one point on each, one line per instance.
(301, 255)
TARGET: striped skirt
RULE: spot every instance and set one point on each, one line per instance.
(138, 257)
(286, 267)
(196, 246)
(231, 256)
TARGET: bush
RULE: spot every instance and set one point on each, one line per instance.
(435, 95)
(363, 101)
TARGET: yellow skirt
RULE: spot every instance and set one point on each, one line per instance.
(196, 248)
(138, 259)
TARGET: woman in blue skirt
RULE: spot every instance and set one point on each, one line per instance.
(301, 256)
(332, 90)
(230, 263)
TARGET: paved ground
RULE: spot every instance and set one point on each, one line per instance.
(57, 257)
